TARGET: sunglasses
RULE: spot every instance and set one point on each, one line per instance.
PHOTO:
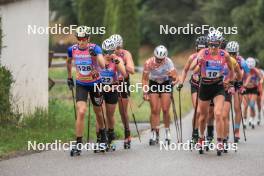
(232, 53)
(109, 52)
(82, 39)
(214, 45)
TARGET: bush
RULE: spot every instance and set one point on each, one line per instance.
(5, 105)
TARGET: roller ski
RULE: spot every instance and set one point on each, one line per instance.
(210, 141)
(111, 137)
(127, 140)
(101, 143)
(237, 136)
(75, 151)
(225, 142)
(200, 145)
(154, 139)
(219, 148)
(259, 118)
(195, 138)
(167, 136)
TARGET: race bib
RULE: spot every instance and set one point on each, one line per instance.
(107, 80)
(84, 69)
(212, 73)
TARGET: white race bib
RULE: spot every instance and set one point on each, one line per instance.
(84, 69)
(212, 73)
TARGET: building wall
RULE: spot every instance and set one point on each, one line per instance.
(26, 55)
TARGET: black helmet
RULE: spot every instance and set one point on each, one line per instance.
(201, 42)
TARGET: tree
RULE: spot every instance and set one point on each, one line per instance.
(91, 14)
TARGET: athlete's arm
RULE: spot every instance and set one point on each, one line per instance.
(145, 79)
(99, 56)
(259, 76)
(238, 72)
(130, 67)
(121, 67)
(247, 80)
(69, 62)
(185, 70)
(230, 67)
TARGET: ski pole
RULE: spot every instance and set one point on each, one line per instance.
(175, 117)
(89, 121)
(141, 104)
(242, 118)
(232, 116)
(180, 114)
(73, 99)
(134, 118)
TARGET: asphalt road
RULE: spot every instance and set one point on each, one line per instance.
(144, 160)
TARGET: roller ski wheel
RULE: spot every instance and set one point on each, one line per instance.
(225, 146)
(167, 141)
(152, 142)
(127, 144)
(111, 147)
(75, 152)
(200, 145)
(220, 148)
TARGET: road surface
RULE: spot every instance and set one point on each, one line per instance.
(143, 160)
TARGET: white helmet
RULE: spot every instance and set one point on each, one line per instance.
(251, 62)
(232, 47)
(82, 31)
(117, 39)
(215, 36)
(160, 52)
(108, 45)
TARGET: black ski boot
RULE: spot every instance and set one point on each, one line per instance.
(220, 147)
(111, 138)
(75, 151)
(200, 145)
(127, 140)
(102, 141)
(154, 138)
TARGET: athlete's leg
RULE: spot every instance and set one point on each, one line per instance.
(165, 106)
(204, 108)
(218, 114)
(123, 110)
(155, 110)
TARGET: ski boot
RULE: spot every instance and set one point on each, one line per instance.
(250, 121)
(210, 141)
(259, 118)
(154, 139)
(219, 147)
(225, 142)
(200, 145)
(102, 142)
(237, 136)
(111, 136)
(167, 136)
(127, 140)
(253, 123)
(75, 151)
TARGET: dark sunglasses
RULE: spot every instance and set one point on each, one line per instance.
(109, 52)
(214, 45)
(82, 39)
(232, 53)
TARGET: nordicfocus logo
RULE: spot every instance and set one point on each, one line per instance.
(58, 145)
(198, 30)
(59, 29)
(189, 145)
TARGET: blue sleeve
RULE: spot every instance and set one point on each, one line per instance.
(245, 66)
(70, 52)
(98, 50)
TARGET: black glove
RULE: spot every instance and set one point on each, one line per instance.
(179, 87)
(238, 85)
(116, 61)
(70, 83)
(92, 52)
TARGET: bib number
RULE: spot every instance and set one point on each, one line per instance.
(84, 69)
(212, 74)
(107, 80)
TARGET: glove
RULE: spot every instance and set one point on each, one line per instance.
(116, 61)
(179, 87)
(92, 52)
(70, 83)
(238, 85)
(146, 97)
